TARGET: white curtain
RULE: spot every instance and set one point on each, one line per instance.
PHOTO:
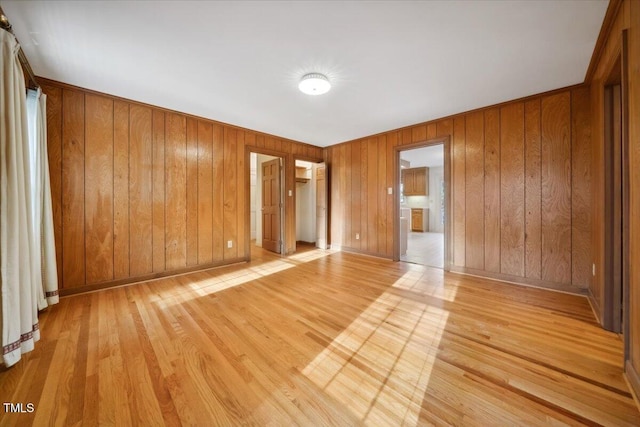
(27, 274)
(44, 249)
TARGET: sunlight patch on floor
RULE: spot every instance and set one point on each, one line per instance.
(310, 255)
(225, 279)
(380, 365)
(426, 280)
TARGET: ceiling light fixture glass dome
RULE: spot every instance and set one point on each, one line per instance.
(314, 84)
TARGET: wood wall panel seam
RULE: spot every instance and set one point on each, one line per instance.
(556, 188)
(113, 186)
(512, 232)
(121, 215)
(191, 213)
(73, 189)
(84, 183)
(571, 189)
(492, 186)
(474, 199)
(541, 196)
(533, 184)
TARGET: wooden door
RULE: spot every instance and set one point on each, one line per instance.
(271, 204)
(321, 206)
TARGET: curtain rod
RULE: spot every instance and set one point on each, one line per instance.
(6, 25)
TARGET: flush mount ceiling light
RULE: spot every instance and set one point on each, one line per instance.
(314, 84)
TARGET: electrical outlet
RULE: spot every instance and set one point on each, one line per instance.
(357, 236)
(290, 193)
(229, 244)
(390, 190)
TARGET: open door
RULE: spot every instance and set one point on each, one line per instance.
(271, 205)
(321, 206)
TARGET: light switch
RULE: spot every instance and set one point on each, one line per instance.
(390, 190)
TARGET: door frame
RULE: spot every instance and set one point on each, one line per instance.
(616, 285)
(295, 200)
(626, 194)
(325, 189)
(448, 204)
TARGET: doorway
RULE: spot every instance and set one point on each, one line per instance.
(422, 203)
(266, 201)
(311, 204)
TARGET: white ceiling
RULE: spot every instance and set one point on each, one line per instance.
(391, 63)
(431, 156)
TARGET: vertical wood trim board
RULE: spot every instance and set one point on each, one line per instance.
(72, 189)
(139, 191)
(474, 191)
(121, 219)
(491, 191)
(512, 203)
(556, 188)
(533, 188)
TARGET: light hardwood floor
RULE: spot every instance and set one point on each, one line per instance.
(321, 338)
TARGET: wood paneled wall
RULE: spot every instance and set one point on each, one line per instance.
(521, 190)
(627, 17)
(140, 191)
